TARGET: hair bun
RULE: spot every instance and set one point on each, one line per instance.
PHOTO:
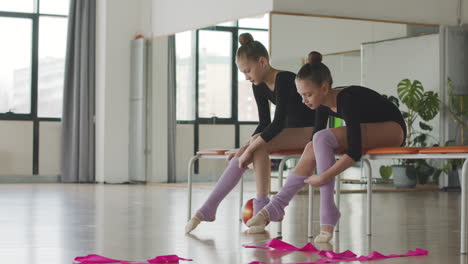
(314, 57)
(245, 38)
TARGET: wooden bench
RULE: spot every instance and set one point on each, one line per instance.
(222, 154)
(453, 152)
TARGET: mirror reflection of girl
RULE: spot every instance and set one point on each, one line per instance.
(290, 129)
(371, 120)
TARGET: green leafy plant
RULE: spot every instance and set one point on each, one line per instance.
(458, 110)
(385, 172)
(451, 164)
(422, 105)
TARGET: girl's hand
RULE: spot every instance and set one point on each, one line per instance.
(245, 159)
(316, 180)
(231, 153)
(253, 138)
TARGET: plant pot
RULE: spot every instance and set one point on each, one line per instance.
(400, 179)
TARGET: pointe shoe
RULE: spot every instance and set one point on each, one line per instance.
(324, 246)
(192, 224)
(256, 229)
(259, 219)
(323, 237)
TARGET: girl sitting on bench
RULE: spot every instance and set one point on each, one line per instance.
(290, 129)
(371, 121)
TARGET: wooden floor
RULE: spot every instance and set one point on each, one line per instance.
(53, 223)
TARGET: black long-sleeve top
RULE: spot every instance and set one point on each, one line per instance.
(356, 105)
(289, 112)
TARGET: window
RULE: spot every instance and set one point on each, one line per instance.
(23, 6)
(15, 65)
(185, 75)
(32, 63)
(54, 7)
(207, 78)
(51, 65)
(20, 21)
(215, 74)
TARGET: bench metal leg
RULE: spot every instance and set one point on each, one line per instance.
(241, 198)
(280, 186)
(368, 171)
(310, 213)
(337, 199)
(189, 179)
(463, 223)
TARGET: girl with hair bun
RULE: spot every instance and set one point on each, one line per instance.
(371, 120)
(290, 128)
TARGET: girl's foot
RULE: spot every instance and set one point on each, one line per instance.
(324, 246)
(326, 230)
(323, 237)
(194, 222)
(257, 223)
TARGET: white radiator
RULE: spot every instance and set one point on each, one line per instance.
(137, 141)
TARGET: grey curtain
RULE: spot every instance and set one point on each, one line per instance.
(172, 122)
(78, 158)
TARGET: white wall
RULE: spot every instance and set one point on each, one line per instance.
(215, 137)
(209, 170)
(454, 43)
(387, 63)
(118, 21)
(417, 11)
(245, 132)
(173, 16)
(170, 16)
(346, 68)
(16, 147)
(184, 150)
(293, 37)
(146, 16)
(49, 148)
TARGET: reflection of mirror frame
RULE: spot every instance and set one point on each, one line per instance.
(351, 18)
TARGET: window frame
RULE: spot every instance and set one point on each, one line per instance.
(234, 85)
(33, 114)
(234, 120)
(217, 120)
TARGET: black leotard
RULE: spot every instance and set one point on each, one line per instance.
(356, 105)
(289, 112)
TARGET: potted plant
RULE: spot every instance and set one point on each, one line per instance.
(458, 111)
(421, 105)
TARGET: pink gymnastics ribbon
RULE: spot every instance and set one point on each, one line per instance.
(281, 245)
(330, 256)
(95, 259)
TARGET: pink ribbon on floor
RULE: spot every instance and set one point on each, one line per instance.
(330, 256)
(281, 245)
(95, 259)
